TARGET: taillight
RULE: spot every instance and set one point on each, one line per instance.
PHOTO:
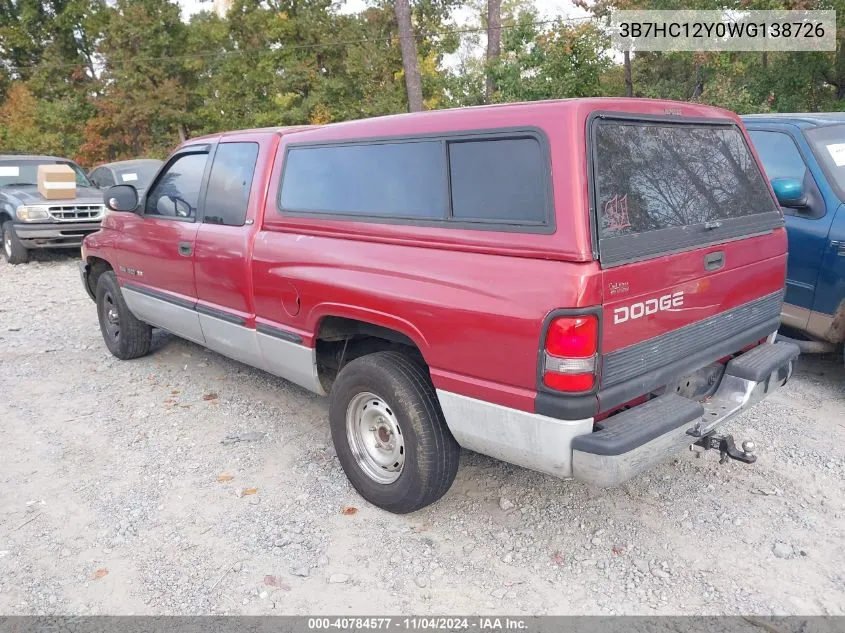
(570, 361)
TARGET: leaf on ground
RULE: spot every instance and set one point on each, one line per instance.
(175, 392)
(100, 573)
(557, 558)
(348, 510)
(210, 396)
(225, 477)
(275, 581)
(618, 550)
(249, 491)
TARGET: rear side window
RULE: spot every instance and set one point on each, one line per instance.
(664, 187)
(229, 183)
(476, 181)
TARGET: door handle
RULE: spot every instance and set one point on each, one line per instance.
(840, 246)
(714, 261)
(186, 249)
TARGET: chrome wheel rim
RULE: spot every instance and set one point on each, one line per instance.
(111, 317)
(7, 244)
(375, 438)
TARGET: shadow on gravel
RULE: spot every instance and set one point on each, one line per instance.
(54, 255)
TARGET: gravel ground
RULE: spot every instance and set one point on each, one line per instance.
(122, 495)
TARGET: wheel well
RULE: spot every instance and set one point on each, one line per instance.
(340, 340)
(96, 267)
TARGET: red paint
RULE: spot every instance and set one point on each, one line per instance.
(473, 301)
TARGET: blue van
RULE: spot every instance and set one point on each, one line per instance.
(804, 157)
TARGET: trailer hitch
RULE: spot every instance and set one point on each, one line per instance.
(727, 447)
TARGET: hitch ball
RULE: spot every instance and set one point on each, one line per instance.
(748, 447)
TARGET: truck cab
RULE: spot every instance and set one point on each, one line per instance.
(581, 287)
(804, 157)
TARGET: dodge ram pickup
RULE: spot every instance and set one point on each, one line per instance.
(580, 287)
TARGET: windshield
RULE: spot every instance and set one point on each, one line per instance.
(24, 172)
(828, 145)
(137, 175)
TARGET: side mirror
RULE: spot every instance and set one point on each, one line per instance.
(121, 198)
(790, 192)
(166, 206)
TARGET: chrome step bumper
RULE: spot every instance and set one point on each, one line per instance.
(637, 439)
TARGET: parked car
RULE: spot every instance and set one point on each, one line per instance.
(804, 156)
(137, 173)
(30, 221)
(581, 287)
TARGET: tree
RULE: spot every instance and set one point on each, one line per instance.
(564, 60)
(494, 41)
(410, 64)
(146, 84)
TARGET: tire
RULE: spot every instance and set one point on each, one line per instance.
(387, 398)
(125, 336)
(13, 251)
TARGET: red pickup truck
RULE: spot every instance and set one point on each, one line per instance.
(581, 287)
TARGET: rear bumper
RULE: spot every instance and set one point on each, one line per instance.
(55, 234)
(629, 442)
(644, 436)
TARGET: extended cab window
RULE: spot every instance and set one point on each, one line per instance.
(473, 181)
(666, 187)
(229, 183)
(176, 193)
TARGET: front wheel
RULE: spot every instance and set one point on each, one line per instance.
(14, 251)
(125, 336)
(389, 432)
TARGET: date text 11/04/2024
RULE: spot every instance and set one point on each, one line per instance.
(419, 623)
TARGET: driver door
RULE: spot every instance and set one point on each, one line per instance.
(156, 255)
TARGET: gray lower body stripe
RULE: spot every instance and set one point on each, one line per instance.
(276, 351)
(163, 296)
(220, 314)
(269, 330)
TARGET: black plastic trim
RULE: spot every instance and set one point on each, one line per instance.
(566, 407)
(547, 227)
(84, 271)
(284, 335)
(182, 303)
(759, 363)
(616, 395)
(631, 429)
(221, 314)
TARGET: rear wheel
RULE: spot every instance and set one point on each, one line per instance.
(389, 432)
(125, 336)
(13, 251)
